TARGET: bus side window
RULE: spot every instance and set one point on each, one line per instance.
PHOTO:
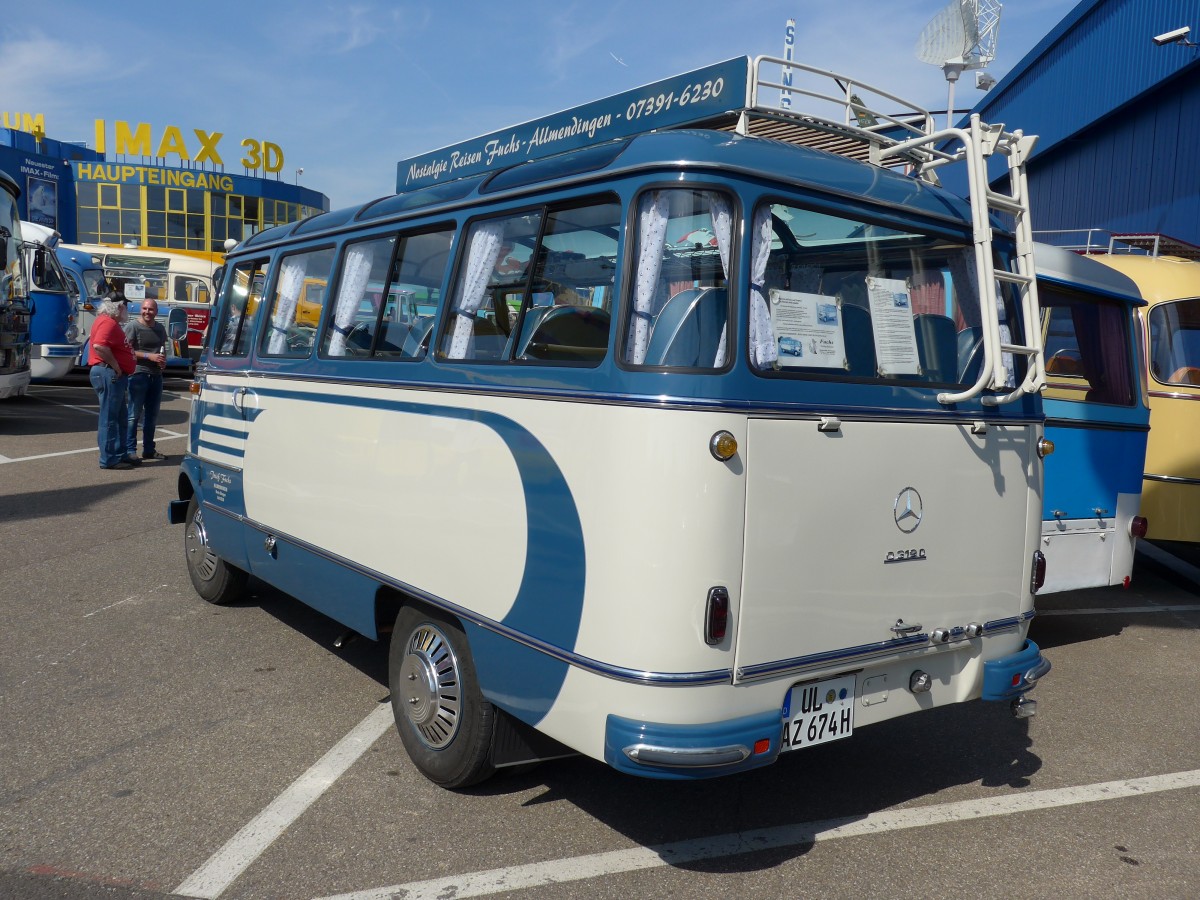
(387, 296)
(244, 294)
(537, 287)
(679, 313)
(296, 303)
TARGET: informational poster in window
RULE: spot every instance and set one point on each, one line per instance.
(895, 331)
(808, 329)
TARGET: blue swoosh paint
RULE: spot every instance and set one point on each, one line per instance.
(549, 602)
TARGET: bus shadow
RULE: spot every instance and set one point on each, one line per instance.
(1074, 617)
(786, 807)
(368, 656)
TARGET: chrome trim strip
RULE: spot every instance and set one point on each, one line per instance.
(1007, 624)
(687, 757)
(1170, 479)
(807, 411)
(1172, 395)
(829, 657)
(1053, 422)
(595, 667)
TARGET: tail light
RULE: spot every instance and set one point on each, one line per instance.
(1038, 577)
(716, 616)
(1138, 526)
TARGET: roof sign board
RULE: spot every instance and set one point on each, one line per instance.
(672, 103)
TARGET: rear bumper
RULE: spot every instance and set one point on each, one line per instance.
(678, 752)
(1011, 676)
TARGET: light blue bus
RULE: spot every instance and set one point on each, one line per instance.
(576, 488)
(1097, 417)
(54, 328)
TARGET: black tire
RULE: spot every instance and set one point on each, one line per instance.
(443, 719)
(214, 579)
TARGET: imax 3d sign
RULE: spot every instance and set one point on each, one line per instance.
(138, 140)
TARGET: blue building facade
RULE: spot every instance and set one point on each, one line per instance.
(1118, 120)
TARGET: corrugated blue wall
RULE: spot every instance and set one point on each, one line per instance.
(1118, 119)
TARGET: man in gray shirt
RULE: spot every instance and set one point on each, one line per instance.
(149, 342)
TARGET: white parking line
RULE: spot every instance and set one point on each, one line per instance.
(160, 436)
(224, 866)
(578, 868)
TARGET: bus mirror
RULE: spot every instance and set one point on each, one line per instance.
(5, 235)
(177, 324)
(39, 265)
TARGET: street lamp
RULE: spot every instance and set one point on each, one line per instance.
(299, 172)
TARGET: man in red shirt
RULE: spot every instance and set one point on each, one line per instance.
(112, 361)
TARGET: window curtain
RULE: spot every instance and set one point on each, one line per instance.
(652, 237)
(1101, 332)
(722, 226)
(356, 271)
(291, 279)
(763, 349)
(487, 240)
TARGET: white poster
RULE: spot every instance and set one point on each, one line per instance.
(808, 329)
(895, 331)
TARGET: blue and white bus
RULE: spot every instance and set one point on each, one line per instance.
(54, 329)
(587, 501)
(1097, 417)
(14, 296)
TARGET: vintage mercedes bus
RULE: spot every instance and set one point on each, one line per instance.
(576, 484)
(1097, 417)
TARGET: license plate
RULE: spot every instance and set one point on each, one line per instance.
(818, 713)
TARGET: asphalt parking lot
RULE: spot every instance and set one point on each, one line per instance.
(154, 745)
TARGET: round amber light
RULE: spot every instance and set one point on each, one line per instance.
(723, 445)
(1045, 447)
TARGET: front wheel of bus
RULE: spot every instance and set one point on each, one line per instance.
(213, 578)
(441, 714)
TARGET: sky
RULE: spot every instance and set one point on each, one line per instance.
(347, 90)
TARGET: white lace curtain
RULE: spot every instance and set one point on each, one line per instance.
(722, 226)
(652, 237)
(653, 219)
(763, 349)
(487, 240)
(356, 272)
(291, 279)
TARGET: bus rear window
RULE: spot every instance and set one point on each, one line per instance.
(839, 297)
(1086, 342)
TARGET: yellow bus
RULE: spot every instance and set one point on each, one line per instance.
(1170, 333)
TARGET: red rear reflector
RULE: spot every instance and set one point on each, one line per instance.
(1138, 526)
(1038, 576)
(762, 746)
(716, 615)
(1125, 583)
(1016, 680)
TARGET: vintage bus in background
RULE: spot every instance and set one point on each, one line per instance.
(174, 280)
(1097, 418)
(1167, 274)
(568, 472)
(54, 329)
(15, 341)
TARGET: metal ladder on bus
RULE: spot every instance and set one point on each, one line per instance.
(979, 142)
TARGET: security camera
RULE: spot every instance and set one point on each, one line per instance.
(1171, 37)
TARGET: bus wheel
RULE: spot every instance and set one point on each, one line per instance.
(442, 716)
(213, 578)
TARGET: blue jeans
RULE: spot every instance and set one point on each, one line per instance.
(110, 436)
(145, 396)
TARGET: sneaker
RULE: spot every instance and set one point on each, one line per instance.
(154, 455)
(121, 465)
(133, 461)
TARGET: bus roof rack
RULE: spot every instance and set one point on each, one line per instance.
(742, 95)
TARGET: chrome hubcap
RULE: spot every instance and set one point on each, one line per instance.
(429, 686)
(195, 540)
